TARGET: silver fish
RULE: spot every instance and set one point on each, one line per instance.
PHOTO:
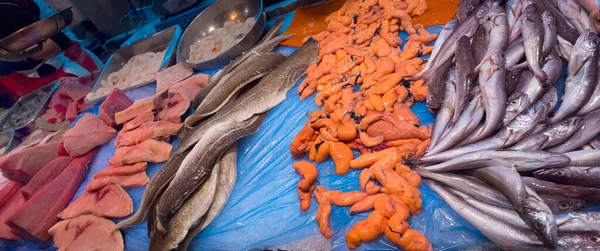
(515, 106)
(480, 43)
(560, 204)
(564, 48)
(466, 8)
(491, 81)
(584, 158)
(550, 33)
(442, 36)
(198, 164)
(445, 113)
(579, 222)
(497, 27)
(516, 29)
(594, 102)
(255, 67)
(521, 161)
(531, 207)
(513, 77)
(582, 76)
(595, 143)
(571, 175)
(589, 129)
(514, 53)
(227, 178)
(550, 136)
(575, 14)
(465, 66)
(512, 11)
(189, 214)
(154, 188)
(269, 92)
(499, 232)
(583, 241)
(436, 87)
(533, 39)
(470, 186)
(588, 194)
(565, 29)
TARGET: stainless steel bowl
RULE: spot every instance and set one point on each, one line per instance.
(214, 17)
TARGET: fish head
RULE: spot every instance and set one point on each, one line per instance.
(451, 25)
(516, 105)
(567, 205)
(541, 220)
(530, 13)
(548, 19)
(579, 241)
(586, 45)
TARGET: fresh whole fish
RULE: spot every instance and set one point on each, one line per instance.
(465, 66)
(594, 102)
(442, 36)
(564, 48)
(480, 43)
(521, 161)
(579, 241)
(592, 7)
(515, 106)
(256, 66)
(491, 82)
(189, 214)
(575, 14)
(565, 28)
(499, 232)
(513, 11)
(436, 87)
(516, 29)
(498, 32)
(550, 136)
(533, 39)
(154, 188)
(546, 187)
(531, 207)
(270, 91)
(514, 53)
(550, 33)
(584, 158)
(444, 115)
(466, 8)
(579, 222)
(571, 175)
(582, 76)
(225, 183)
(595, 143)
(472, 187)
(560, 204)
(199, 163)
(589, 129)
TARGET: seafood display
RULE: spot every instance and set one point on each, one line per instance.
(219, 40)
(138, 69)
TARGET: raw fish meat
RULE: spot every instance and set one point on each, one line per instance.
(6, 193)
(147, 131)
(82, 105)
(110, 202)
(172, 108)
(60, 149)
(22, 165)
(139, 106)
(115, 102)
(73, 88)
(59, 101)
(172, 75)
(71, 113)
(150, 150)
(32, 220)
(121, 170)
(190, 87)
(144, 117)
(130, 181)
(3, 181)
(46, 175)
(89, 132)
(13, 203)
(87, 232)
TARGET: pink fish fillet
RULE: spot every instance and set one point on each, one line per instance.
(71, 113)
(129, 181)
(147, 131)
(115, 102)
(121, 170)
(150, 151)
(13, 203)
(171, 109)
(143, 117)
(172, 75)
(32, 220)
(23, 164)
(46, 175)
(89, 132)
(190, 87)
(139, 106)
(110, 202)
(87, 232)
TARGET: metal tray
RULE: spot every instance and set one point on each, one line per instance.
(164, 40)
(215, 16)
(31, 104)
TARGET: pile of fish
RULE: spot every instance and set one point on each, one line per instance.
(193, 186)
(497, 124)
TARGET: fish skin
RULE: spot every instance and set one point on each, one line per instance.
(499, 232)
(582, 76)
(550, 33)
(154, 188)
(444, 115)
(571, 175)
(480, 43)
(256, 66)
(533, 39)
(521, 161)
(436, 87)
(472, 187)
(497, 27)
(191, 212)
(513, 77)
(515, 106)
(465, 67)
(560, 204)
(532, 208)
(584, 157)
(579, 222)
(226, 182)
(594, 102)
(447, 29)
(589, 129)
(579, 241)
(198, 164)
(269, 92)
(565, 28)
(514, 53)
(491, 81)
(588, 194)
(466, 8)
(550, 136)
(564, 48)
(575, 14)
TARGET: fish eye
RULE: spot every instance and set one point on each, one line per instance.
(539, 225)
(563, 205)
(560, 173)
(594, 239)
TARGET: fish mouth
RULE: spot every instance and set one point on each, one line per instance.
(541, 222)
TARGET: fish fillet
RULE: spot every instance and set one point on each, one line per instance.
(87, 232)
(46, 175)
(89, 133)
(121, 170)
(147, 131)
(110, 202)
(128, 181)
(150, 150)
